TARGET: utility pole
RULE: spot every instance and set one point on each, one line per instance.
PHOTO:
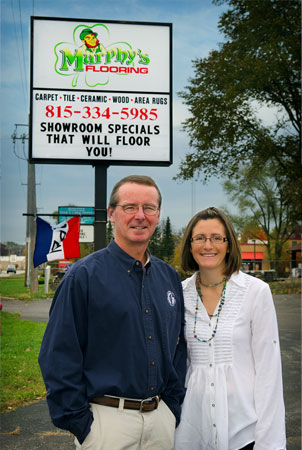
(31, 274)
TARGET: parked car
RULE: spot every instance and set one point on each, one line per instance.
(11, 269)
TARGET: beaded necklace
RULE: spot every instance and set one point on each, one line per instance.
(211, 285)
(221, 303)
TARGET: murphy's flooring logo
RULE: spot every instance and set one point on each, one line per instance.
(92, 56)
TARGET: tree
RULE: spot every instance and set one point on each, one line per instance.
(155, 243)
(12, 248)
(257, 66)
(167, 242)
(109, 232)
(86, 248)
(55, 217)
(263, 208)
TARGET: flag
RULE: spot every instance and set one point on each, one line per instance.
(57, 241)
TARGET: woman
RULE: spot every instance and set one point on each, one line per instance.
(234, 396)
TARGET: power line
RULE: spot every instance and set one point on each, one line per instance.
(19, 57)
(23, 137)
(22, 41)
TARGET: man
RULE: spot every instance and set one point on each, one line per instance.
(91, 44)
(113, 356)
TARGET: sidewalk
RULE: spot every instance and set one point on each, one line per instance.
(30, 428)
(36, 310)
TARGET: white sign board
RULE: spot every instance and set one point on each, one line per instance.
(86, 233)
(101, 92)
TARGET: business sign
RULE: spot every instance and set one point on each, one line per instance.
(86, 233)
(101, 92)
(66, 212)
(63, 263)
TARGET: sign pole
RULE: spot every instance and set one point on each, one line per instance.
(100, 199)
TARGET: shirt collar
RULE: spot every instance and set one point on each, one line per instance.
(148, 260)
(237, 278)
(188, 283)
(127, 261)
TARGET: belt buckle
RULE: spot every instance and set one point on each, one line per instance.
(146, 400)
(142, 404)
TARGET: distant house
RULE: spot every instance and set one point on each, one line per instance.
(295, 250)
(254, 255)
(18, 261)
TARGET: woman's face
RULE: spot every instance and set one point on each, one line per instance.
(209, 255)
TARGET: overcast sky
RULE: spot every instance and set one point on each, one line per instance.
(195, 33)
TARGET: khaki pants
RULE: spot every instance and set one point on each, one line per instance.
(126, 429)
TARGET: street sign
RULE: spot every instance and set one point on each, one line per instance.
(66, 212)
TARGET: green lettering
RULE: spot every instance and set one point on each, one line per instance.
(131, 56)
(144, 58)
(121, 55)
(110, 55)
(98, 57)
(68, 59)
(89, 58)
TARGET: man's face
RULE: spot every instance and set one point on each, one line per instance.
(137, 228)
(91, 40)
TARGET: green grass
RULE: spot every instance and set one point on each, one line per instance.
(14, 287)
(21, 379)
(13, 276)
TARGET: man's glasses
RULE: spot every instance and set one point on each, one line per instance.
(200, 240)
(149, 210)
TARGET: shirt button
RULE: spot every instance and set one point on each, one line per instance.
(137, 263)
(214, 425)
(152, 388)
(146, 311)
(210, 365)
(210, 345)
(143, 285)
(213, 405)
(149, 337)
(153, 363)
(212, 384)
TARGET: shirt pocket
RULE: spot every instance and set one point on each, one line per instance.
(171, 326)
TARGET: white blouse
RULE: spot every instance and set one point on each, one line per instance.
(234, 382)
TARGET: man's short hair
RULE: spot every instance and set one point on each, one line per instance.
(233, 257)
(138, 179)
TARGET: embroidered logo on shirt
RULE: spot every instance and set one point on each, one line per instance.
(171, 298)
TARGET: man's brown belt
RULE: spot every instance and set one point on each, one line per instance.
(146, 405)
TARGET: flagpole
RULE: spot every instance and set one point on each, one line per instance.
(100, 206)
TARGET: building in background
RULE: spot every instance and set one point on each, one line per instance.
(295, 253)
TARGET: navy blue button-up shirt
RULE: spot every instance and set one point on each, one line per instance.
(114, 329)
